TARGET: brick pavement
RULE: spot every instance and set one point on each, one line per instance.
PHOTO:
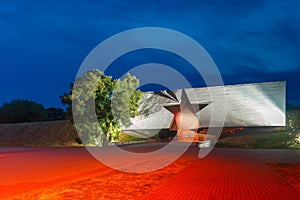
(221, 175)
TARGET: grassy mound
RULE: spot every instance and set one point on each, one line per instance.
(265, 138)
(50, 133)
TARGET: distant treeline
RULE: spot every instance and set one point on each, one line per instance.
(19, 111)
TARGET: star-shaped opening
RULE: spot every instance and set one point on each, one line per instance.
(185, 113)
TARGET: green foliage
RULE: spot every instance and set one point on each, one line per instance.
(66, 99)
(293, 125)
(114, 133)
(128, 138)
(18, 111)
(293, 118)
(125, 100)
(91, 134)
(114, 102)
(264, 138)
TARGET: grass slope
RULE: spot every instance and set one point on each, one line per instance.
(50, 133)
(62, 133)
(265, 138)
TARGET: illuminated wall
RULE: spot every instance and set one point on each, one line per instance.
(246, 105)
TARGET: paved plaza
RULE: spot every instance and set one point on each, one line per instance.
(232, 174)
(223, 174)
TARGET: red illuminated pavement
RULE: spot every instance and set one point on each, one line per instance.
(26, 169)
(232, 174)
(31, 168)
(223, 174)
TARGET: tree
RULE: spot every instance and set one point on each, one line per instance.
(66, 99)
(115, 101)
(18, 111)
(55, 114)
(293, 117)
(293, 125)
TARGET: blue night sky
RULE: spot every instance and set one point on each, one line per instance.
(43, 43)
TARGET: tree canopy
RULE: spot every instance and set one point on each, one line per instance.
(18, 111)
(113, 101)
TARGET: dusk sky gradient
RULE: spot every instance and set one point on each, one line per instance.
(43, 43)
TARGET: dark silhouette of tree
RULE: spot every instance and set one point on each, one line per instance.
(55, 114)
(19, 110)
